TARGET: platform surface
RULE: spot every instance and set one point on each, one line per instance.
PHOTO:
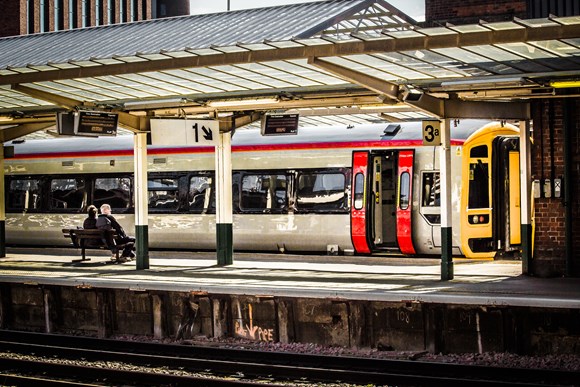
(386, 279)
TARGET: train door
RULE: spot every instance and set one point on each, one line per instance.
(506, 194)
(383, 207)
(382, 201)
(491, 221)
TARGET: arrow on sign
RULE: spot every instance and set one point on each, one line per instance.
(207, 134)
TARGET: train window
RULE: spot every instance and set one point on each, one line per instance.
(67, 194)
(201, 197)
(264, 192)
(321, 191)
(359, 191)
(404, 187)
(114, 191)
(478, 151)
(478, 185)
(431, 189)
(23, 194)
(163, 194)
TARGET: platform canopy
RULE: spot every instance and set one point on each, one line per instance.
(339, 57)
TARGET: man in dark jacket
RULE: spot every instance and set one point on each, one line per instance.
(106, 221)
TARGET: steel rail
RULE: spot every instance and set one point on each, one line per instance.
(282, 365)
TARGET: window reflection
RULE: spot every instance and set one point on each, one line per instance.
(321, 191)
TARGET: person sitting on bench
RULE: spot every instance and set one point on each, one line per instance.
(106, 221)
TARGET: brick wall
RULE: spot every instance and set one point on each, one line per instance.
(547, 163)
(439, 12)
(11, 18)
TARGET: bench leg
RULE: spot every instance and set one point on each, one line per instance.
(83, 256)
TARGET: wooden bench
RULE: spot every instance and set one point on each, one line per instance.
(80, 237)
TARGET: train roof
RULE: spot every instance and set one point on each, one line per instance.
(403, 131)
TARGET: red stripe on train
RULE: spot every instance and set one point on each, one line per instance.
(236, 148)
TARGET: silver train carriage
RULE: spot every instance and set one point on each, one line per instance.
(362, 189)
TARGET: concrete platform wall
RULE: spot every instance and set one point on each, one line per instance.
(357, 324)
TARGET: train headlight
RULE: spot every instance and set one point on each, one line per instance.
(475, 219)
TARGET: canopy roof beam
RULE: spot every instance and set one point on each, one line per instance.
(439, 107)
(387, 44)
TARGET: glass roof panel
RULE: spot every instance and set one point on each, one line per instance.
(503, 26)
(129, 92)
(526, 50)
(130, 59)
(544, 22)
(157, 87)
(436, 31)
(403, 34)
(43, 68)
(64, 66)
(305, 70)
(108, 61)
(574, 42)
(295, 73)
(569, 20)
(452, 65)
(286, 77)
(227, 49)
(98, 87)
(255, 46)
(86, 63)
(508, 58)
(174, 84)
(153, 56)
(129, 87)
(391, 66)
(61, 88)
(195, 81)
(262, 79)
(216, 73)
(469, 28)
(471, 58)
(284, 44)
(362, 64)
(426, 62)
(178, 54)
(558, 48)
(208, 77)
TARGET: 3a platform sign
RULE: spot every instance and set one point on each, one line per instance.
(432, 132)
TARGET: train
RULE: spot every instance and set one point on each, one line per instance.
(364, 189)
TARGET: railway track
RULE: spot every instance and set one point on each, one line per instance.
(146, 364)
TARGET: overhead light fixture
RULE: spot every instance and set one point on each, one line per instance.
(243, 102)
(381, 106)
(564, 84)
(6, 119)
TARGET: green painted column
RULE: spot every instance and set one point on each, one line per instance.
(526, 196)
(2, 206)
(224, 210)
(446, 205)
(141, 201)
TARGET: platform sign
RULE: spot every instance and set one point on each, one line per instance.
(174, 132)
(94, 123)
(432, 132)
(279, 124)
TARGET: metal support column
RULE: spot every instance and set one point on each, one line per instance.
(446, 227)
(525, 195)
(141, 201)
(2, 208)
(224, 217)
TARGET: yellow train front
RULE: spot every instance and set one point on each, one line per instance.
(362, 189)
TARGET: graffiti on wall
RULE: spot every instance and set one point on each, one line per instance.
(250, 331)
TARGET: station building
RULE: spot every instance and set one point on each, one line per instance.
(35, 16)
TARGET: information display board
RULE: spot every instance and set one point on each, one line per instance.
(279, 124)
(93, 123)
